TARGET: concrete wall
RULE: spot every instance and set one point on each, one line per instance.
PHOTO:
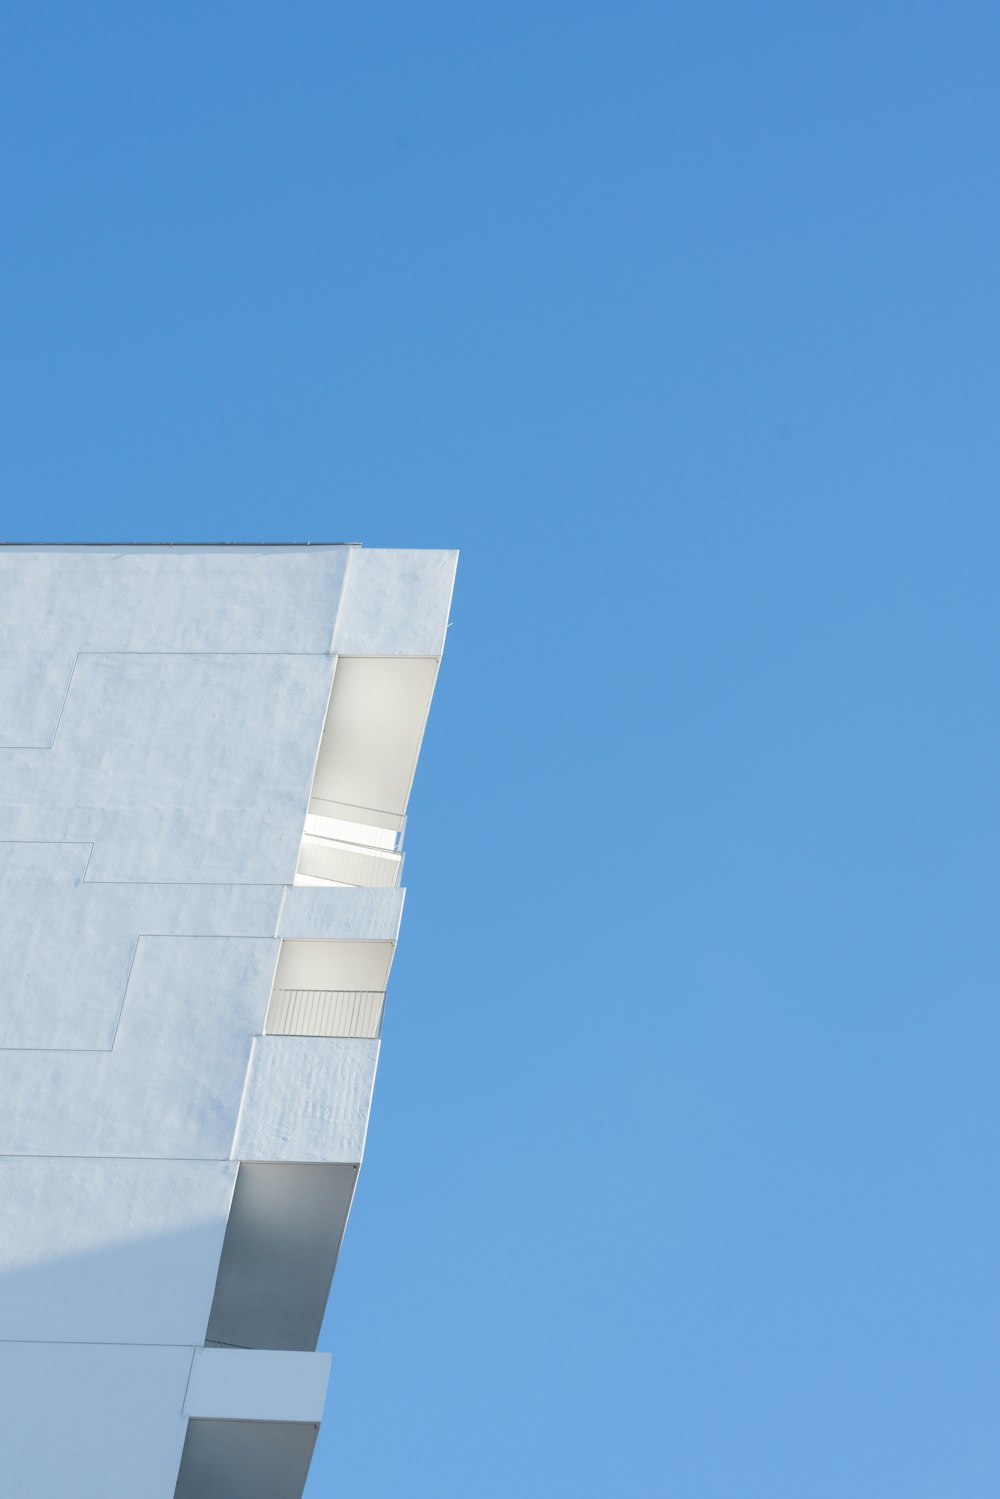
(161, 711)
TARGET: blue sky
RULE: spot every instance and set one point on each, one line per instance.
(681, 321)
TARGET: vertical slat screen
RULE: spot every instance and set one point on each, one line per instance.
(326, 1012)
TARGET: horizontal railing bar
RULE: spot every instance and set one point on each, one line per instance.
(329, 859)
(351, 845)
(397, 817)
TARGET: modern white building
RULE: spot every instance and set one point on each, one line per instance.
(205, 759)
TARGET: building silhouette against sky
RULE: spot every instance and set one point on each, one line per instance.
(205, 759)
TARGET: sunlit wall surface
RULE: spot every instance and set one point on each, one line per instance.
(205, 759)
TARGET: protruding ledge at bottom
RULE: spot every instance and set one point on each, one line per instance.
(236, 1384)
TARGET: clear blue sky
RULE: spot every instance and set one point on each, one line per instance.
(681, 321)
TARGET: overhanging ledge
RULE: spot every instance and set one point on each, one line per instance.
(236, 1384)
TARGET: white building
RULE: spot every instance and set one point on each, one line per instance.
(205, 759)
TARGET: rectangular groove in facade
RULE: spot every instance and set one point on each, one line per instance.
(205, 760)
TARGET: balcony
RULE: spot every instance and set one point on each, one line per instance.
(299, 1144)
(329, 989)
(364, 769)
(252, 1423)
(345, 845)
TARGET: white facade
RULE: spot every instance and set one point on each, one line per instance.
(205, 759)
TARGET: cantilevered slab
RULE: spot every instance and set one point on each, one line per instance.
(395, 603)
(345, 915)
(233, 1384)
(307, 1099)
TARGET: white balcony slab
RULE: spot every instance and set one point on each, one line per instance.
(307, 1099)
(236, 1384)
(395, 603)
(361, 915)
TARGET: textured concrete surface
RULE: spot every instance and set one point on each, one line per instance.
(161, 713)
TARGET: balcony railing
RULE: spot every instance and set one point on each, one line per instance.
(326, 1012)
(345, 845)
(336, 863)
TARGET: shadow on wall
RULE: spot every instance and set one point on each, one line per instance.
(97, 1338)
(255, 1275)
(154, 1289)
